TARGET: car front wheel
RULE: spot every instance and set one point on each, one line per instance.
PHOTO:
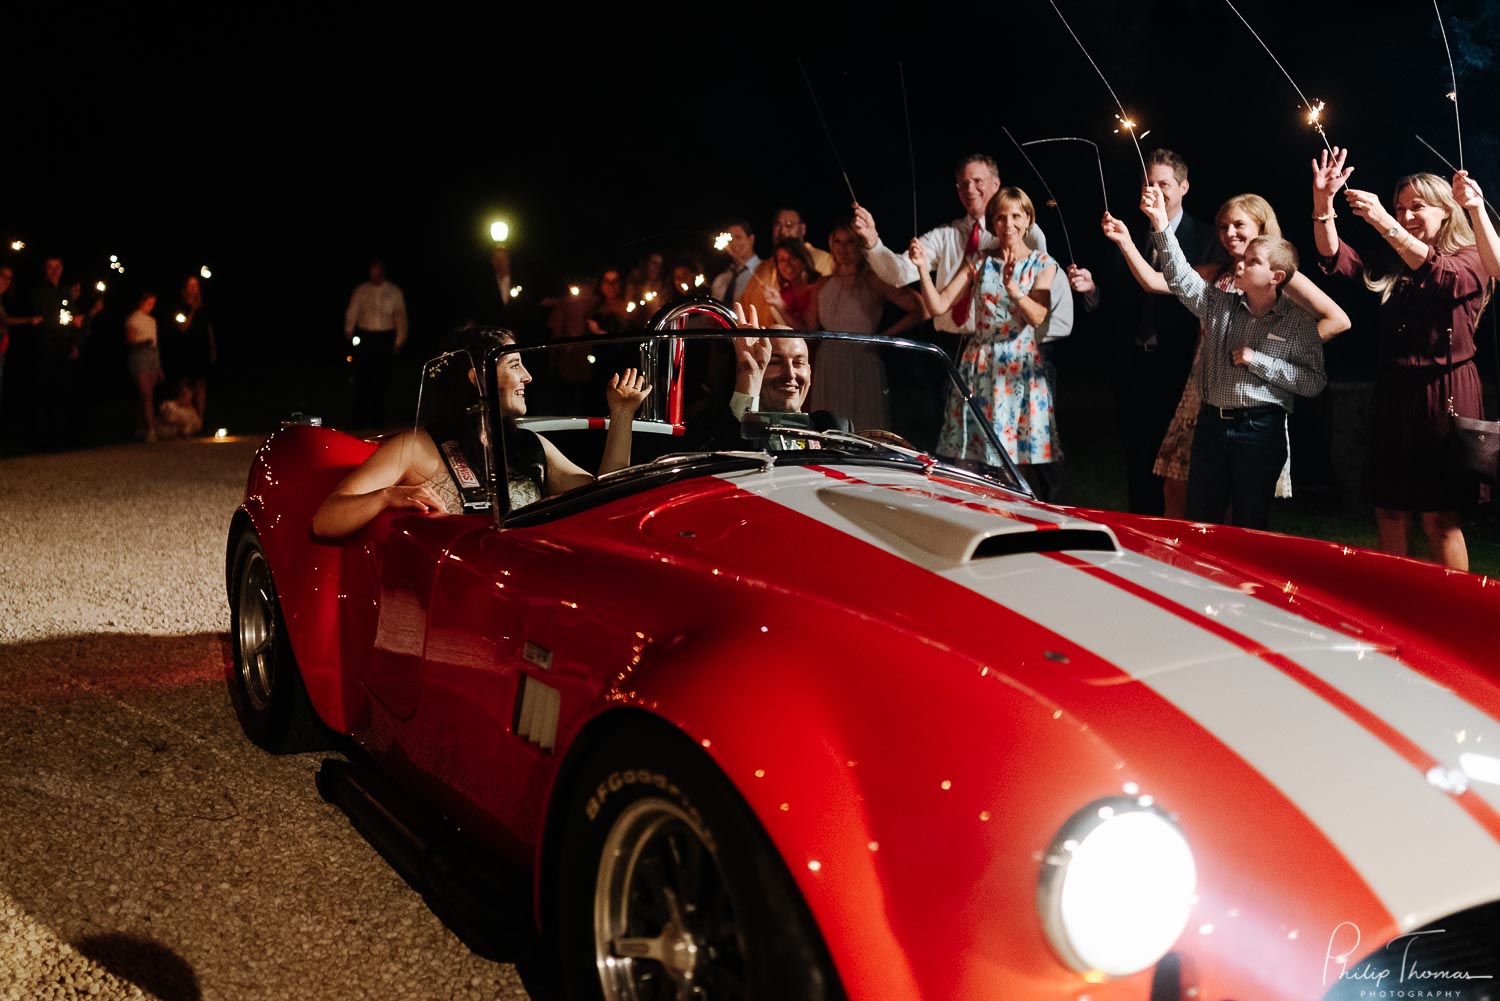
(264, 683)
(670, 889)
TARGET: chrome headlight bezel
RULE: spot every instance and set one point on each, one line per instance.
(1148, 820)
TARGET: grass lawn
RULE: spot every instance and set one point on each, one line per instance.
(1096, 478)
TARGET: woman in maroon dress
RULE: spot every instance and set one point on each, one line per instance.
(1429, 305)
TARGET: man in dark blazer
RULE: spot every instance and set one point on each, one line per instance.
(1152, 336)
(498, 299)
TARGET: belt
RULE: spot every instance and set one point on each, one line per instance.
(1235, 413)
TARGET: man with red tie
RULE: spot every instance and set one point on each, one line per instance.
(959, 245)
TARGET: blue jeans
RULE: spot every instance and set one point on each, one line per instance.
(1236, 460)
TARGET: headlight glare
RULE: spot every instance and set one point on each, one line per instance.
(1117, 887)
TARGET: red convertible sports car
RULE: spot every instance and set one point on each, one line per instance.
(812, 699)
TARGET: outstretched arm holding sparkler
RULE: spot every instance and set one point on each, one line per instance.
(1147, 277)
(1141, 270)
(1466, 192)
(1329, 175)
(1182, 281)
(938, 300)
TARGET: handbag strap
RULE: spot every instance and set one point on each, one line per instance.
(1448, 375)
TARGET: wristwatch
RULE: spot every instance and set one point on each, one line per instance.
(1392, 231)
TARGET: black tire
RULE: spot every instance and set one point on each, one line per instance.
(659, 848)
(264, 683)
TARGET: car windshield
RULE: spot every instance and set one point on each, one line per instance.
(783, 396)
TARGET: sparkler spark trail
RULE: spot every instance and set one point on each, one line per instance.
(1046, 187)
(1312, 113)
(1457, 125)
(1097, 159)
(1124, 118)
(827, 133)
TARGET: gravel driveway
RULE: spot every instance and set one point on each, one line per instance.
(147, 849)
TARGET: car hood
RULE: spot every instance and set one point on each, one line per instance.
(1003, 549)
(1002, 652)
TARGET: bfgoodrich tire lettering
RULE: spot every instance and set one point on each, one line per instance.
(264, 683)
(670, 889)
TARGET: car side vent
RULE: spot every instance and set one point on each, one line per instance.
(537, 709)
(1044, 541)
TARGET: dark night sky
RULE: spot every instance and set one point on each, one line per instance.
(284, 145)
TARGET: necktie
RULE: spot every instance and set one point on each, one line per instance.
(735, 271)
(960, 311)
(1145, 337)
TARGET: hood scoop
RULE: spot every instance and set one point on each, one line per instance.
(957, 533)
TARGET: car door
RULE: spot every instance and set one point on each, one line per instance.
(388, 579)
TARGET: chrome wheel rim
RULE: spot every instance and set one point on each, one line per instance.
(257, 630)
(664, 924)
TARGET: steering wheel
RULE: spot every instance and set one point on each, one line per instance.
(888, 438)
(668, 317)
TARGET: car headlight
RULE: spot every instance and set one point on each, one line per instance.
(1117, 887)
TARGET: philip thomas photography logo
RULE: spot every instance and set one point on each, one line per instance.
(1410, 966)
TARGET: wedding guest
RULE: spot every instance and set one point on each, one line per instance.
(1430, 303)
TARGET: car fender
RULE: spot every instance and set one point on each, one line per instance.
(289, 477)
(1391, 599)
(855, 823)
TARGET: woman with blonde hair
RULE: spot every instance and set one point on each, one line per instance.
(1430, 303)
(1240, 220)
(1011, 294)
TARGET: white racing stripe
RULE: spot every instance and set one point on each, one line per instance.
(1460, 736)
(1417, 848)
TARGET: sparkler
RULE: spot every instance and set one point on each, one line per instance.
(1453, 76)
(99, 286)
(1450, 166)
(515, 290)
(1097, 158)
(1124, 119)
(910, 148)
(1313, 114)
(181, 319)
(221, 433)
(698, 281)
(573, 290)
(204, 272)
(64, 317)
(18, 245)
(1048, 188)
(722, 240)
(827, 133)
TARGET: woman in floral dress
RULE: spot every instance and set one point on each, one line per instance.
(1002, 361)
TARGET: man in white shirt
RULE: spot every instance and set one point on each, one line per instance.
(375, 326)
(729, 284)
(960, 243)
(963, 240)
